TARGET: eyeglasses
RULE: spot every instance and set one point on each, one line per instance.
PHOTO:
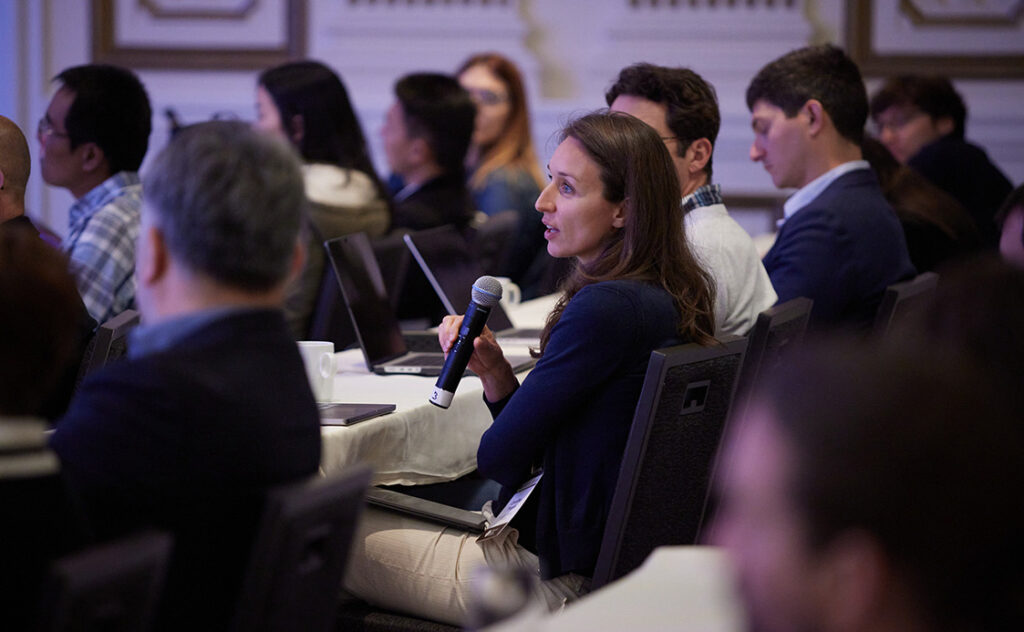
(897, 120)
(45, 128)
(486, 97)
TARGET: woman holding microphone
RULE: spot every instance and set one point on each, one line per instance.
(612, 205)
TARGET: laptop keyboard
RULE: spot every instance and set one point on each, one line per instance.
(426, 359)
(421, 341)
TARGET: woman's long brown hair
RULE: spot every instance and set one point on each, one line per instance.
(637, 169)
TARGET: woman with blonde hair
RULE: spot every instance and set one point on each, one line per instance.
(504, 171)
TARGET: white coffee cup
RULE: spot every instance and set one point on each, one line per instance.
(318, 358)
(510, 292)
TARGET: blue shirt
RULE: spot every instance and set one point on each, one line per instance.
(147, 339)
(103, 226)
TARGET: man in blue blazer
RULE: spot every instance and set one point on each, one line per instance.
(840, 243)
(212, 407)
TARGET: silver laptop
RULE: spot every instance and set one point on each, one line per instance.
(444, 257)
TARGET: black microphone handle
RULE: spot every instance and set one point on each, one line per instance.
(458, 356)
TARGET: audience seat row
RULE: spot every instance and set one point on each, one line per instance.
(294, 575)
(662, 496)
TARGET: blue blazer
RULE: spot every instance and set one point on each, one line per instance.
(841, 250)
(188, 440)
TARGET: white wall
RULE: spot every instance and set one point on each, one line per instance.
(569, 50)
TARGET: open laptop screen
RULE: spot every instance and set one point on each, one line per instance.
(444, 256)
(362, 286)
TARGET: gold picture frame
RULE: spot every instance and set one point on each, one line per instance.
(230, 15)
(860, 16)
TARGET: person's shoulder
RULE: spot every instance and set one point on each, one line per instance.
(948, 155)
(125, 186)
(945, 148)
(331, 185)
(714, 224)
(510, 176)
(123, 201)
(625, 294)
(857, 191)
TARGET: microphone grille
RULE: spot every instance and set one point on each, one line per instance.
(487, 291)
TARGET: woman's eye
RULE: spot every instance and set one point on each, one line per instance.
(566, 188)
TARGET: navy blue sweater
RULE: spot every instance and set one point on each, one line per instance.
(572, 415)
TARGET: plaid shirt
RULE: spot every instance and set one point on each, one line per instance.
(103, 227)
(707, 195)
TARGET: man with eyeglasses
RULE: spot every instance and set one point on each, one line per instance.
(92, 140)
(921, 120)
(683, 109)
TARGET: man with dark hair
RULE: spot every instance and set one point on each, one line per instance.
(92, 140)
(866, 489)
(212, 406)
(840, 243)
(683, 109)
(921, 119)
(426, 135)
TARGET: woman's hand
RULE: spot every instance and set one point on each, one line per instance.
(487, 361)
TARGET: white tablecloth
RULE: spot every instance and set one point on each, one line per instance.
(677, 588)
(419, 443)
(532, 313)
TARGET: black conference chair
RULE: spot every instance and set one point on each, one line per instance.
(114, 586)
(777, 329)
(108, 343)
(300, 553)
(902, 300)
(493, 241)
(662, 490)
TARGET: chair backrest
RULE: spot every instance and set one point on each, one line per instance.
(777, 329)
(300, 553)
(662, 489)
(109, 342)
(493, 241)
(902, 299)
(330, 317)
(114, 586)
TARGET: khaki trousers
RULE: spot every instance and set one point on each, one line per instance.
(421, 568)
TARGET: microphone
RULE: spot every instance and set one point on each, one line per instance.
(486, 294)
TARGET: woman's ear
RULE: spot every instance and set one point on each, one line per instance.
(619, 216)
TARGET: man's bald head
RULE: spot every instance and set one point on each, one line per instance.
(15, 166)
